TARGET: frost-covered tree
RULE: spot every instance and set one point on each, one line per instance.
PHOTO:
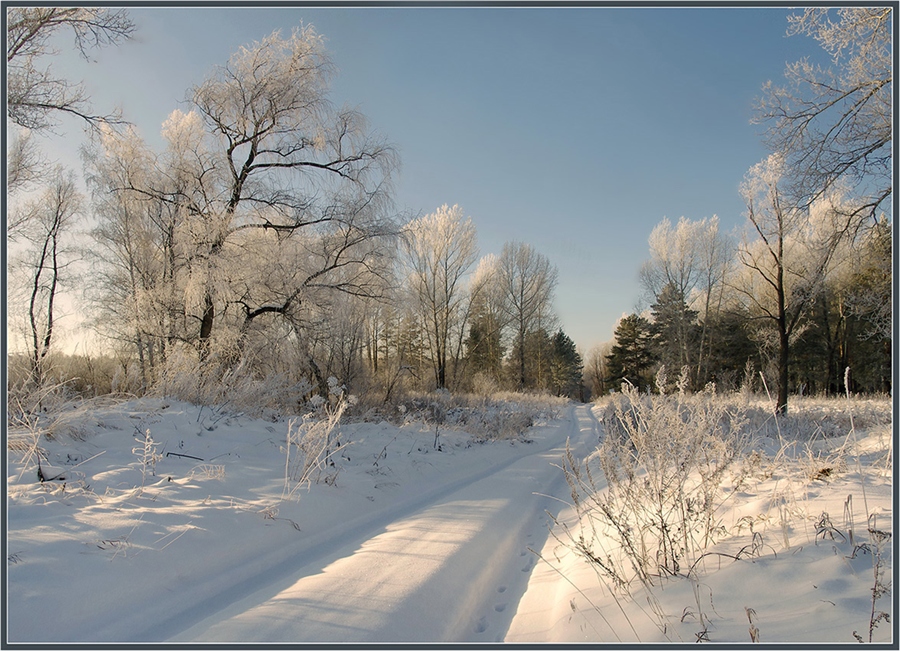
(25, 166)
(527, 281)
(485, 349)
(834, 125)
(277, 148)
(36, 96)
(690, 259)
(134, 296)
(275, 197)
(786, 255)
(440, 249)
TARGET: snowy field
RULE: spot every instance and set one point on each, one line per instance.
(160, 521)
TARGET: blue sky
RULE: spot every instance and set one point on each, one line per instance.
(573, 129)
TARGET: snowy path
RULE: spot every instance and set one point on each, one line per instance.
(449, 567)
(413, 544)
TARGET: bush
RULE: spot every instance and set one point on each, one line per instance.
(310, 446)
(663, 459)
(234, 386)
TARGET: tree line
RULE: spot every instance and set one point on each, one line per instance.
(727, 332)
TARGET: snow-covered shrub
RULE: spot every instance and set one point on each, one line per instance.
(233, 385)
(499, 422)
(663, 460)
(484, 385)
(310, 448)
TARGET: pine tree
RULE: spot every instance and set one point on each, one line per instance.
(566, 367)
(631, 358)
(484, 348)
(676, 334)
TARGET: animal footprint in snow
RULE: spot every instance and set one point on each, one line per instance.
(501, 589)
(481, 626)
(500, 607)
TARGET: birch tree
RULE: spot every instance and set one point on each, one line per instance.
(440, 250)
(786, 253)
(527, 281)
(834, 125)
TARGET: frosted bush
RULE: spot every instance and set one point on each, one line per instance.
(233, 386)
(663, 458)
(310, 448)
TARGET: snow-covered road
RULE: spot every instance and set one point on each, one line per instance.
(211, 540)
(449, 567)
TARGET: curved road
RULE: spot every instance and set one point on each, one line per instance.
(450, 568)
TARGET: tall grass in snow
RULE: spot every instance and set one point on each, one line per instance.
(309, 448)
(663, 460)
(678, 477)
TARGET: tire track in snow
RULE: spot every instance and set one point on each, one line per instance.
(450, 566)
(549, 602)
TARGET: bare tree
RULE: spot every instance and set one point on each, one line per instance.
(50, 217)
(789, 257)
(440, 250)
(835, 125)
(35, 95)
(527, 281)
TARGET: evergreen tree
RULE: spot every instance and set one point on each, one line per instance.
(731, 350)
(676, 334)
(566, 367)
(484, 347)
(631, 358)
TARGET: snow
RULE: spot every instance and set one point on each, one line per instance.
(196, 535)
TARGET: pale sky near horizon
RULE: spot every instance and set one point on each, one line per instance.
(575, 130)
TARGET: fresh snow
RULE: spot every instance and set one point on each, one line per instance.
(397, 542)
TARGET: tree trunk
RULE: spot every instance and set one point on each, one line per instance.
(783, 350)
(206, 325)
(521, 358)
